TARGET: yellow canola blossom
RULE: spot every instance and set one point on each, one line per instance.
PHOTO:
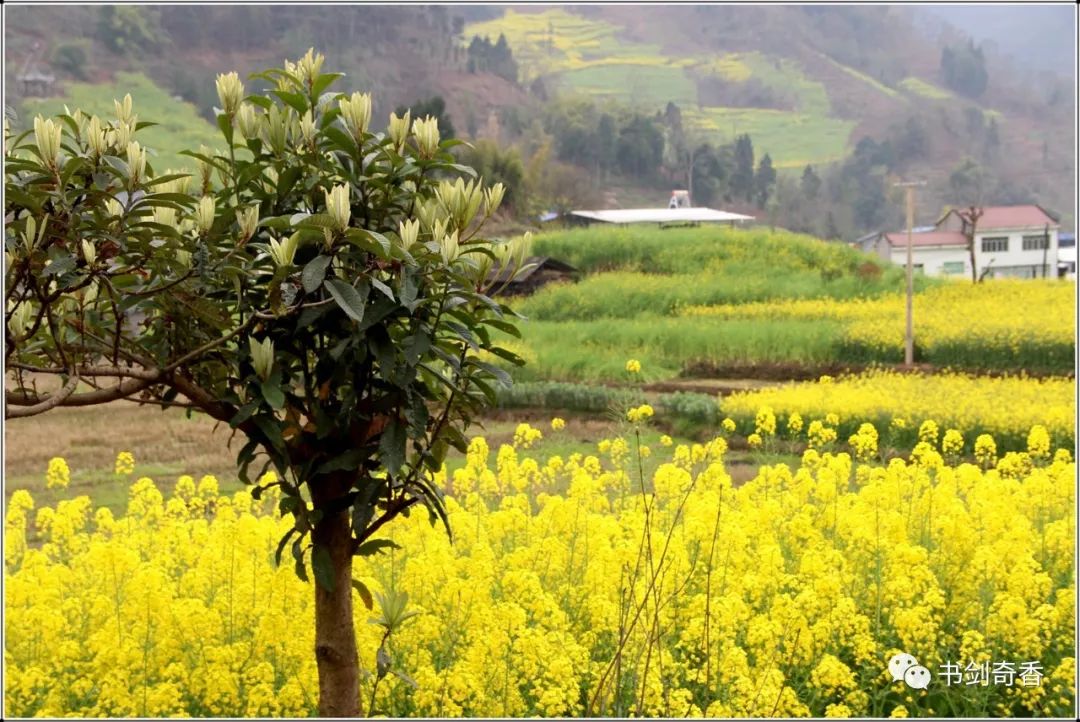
(783, 596)
(917, 407)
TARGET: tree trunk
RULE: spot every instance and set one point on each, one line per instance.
(335, 635)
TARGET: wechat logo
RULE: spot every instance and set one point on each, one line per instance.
(905, 667)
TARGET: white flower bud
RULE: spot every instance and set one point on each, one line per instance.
(21, 319)
(408, 231)
(427, 135)
(307, 130)
(47, 135)
(96, 137)
(283, 252)
(184, 257)
(309, 66)
(114, 207)
(230, 91)
(449, 247)
(398, 130)
(262, 356)
(123, 110)
(125, 134)
(493, 196)
(337, 205)
(136, 155)
(356, 114)
(89, 253)
(248, 121)
(277, 127)
(165, 216)
(248, 218)
(80, 119)
(179, 185)
(204, 214)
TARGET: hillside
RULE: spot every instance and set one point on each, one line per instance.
(806, 84)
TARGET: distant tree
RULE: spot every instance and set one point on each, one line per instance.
(640, 147)
(126, 29)
(71, 58)
(555, 186)
(487, 57)
(607, 143)
(810, 183)
(967, 183)
(742, 177)
(538, 89)
(764, 180)
(969, 218)
(910, 140)
(963, 68)
(434, 107)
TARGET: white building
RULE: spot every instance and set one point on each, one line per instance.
(1010, 241)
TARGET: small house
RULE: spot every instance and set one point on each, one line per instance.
(1010, 241)
(540, 270)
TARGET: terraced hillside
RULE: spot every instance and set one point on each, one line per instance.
(798, 104)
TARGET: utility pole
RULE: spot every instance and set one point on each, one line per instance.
(909, 335)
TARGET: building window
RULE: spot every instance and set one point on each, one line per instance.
(1036, 243)
(953, 267)
(997, 244)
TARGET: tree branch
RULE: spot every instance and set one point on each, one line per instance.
(44, 405)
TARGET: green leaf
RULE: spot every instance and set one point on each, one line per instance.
(298, 555)
(365, 594)
(243, 414)
(287, 180)
(225, 123)
(392, 447)
(281, 546)
(504, 326)
(295, 100)
(323, 81)
(375, 546)
(323, 567)
(314, 273)
(273, 394)
(386, 290)
(351, 300)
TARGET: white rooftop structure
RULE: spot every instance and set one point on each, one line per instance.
(662, 215)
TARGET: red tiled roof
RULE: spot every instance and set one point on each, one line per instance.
(1011, 217)
(931, 238)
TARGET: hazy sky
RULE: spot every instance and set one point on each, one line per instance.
(1042, 37)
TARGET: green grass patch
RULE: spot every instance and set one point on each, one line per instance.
(780, 74)
(647, 249)
(597, 350)
(646, 87)
(792, 139)
(627, 294)
(180, 127)
(922, 88)
(876, 85)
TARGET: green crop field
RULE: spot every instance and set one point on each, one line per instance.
(708, 300)
(646, 87)
(179, 126)
(792, 139)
